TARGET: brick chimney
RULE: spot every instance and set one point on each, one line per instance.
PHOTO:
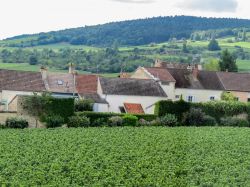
(71, 68)
(195, 71)
(44, 71)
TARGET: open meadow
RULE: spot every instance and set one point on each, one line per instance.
(129, 156)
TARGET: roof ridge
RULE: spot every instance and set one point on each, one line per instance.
(221, 82)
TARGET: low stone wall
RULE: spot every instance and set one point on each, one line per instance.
(31, 120)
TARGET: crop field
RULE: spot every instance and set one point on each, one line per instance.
(147, 156)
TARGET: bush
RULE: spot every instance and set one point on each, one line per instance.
(16, 123)
(143, 122)
(169, 120)
(194, 117)
(54, 121)
(106, 115)
(177, 108)
(99, 122)
(130, 120)
(76, 121)
(234, 122)
(84, 105)
(115, 121)
(209, 121)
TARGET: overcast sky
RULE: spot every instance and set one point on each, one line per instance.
(33, 16)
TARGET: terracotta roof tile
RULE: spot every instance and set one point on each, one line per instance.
(133, 108)
(86, 84)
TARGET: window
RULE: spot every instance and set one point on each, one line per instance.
(190, 99)
(212, 98)
(59, 82)
(248, 99)
(177, 97)
(122, 110)
(237, 99)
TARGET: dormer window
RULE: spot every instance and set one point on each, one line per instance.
(59, 82)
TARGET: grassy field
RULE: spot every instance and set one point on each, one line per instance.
(148, 156)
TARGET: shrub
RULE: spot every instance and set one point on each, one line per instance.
(99, 122)
(84, 105)
(156, 122)
(76, 121)
(115, 121)
(234, 122)
(169, 120)
(177, 108)
(129, 120)
(143, 122)
(209, 121)
(54, 121)
(16, 122)
(106, 115)
(194, 117)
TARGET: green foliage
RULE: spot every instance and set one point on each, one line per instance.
(42, 106)
(228, 62)
(125, 157)
(33, 60)
(16, 123)
(105, 116)
(228, 96)
(77, 121)
(194, 117)
(234, 122)
(209, 121)
(115, 121)
(130, 120)
(213, 45)
(145, 31)
(212, 65)
(169, 120)
(177, 108)
(54, 121)
(84, 105)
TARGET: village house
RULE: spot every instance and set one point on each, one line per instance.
(194, 84)
(126, 95)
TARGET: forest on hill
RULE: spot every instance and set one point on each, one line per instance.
(131, 33)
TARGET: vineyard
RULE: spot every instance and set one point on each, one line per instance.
(147, 156)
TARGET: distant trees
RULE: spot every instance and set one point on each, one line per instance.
(212, 65)
(213, 45)
(138, 32)
(228, 62)
(33, 60)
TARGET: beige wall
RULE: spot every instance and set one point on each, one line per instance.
(243, 96)
(199, 95)
(141, 74)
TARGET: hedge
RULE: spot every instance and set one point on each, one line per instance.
(105, 116)
(61, 107)
(216, 109)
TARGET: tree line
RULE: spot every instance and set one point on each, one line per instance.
(135, 32)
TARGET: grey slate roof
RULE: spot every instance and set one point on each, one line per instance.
(131, 87)
(21, 81)
(95, 97)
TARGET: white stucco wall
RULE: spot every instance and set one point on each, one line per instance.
(199, 95)
(169, 89)
(99, 107)
(116, 101)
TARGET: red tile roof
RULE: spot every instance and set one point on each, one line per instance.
(133, 108)
(86, 84)
(162, 74)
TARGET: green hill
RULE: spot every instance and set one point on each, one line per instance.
(135, 32)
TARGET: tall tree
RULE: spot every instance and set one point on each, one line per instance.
(213, 45)
(228, 62)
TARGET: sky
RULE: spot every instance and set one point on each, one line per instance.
(34, 16)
